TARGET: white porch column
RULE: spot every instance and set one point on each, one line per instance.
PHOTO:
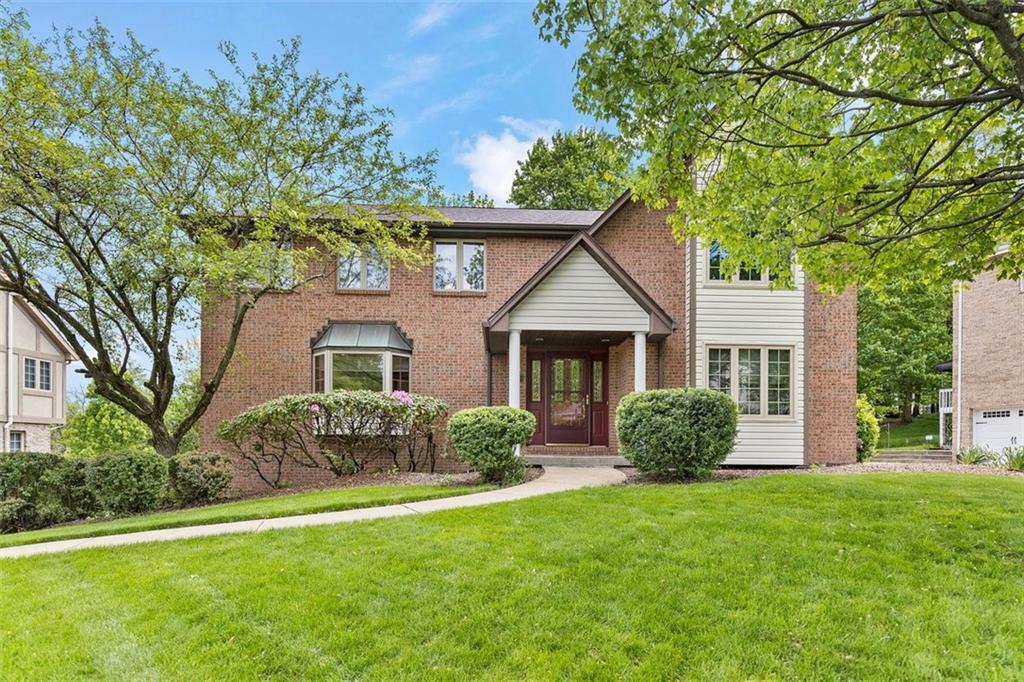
(513, 368)
(639, 361)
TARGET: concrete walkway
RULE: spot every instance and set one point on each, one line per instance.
(554, 480)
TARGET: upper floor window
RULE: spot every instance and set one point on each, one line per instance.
(364, 269)
(37, 374)
(716, 273)
(459, 265)
(763, 378)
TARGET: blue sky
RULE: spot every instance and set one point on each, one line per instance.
(471, 80)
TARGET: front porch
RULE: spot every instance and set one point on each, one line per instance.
(577, 337)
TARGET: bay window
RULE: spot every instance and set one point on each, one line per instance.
(459, 265)
(764, 378)
(361, 371)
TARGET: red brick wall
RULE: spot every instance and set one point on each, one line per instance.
(449, 358)
(992, 374)
(830, 421)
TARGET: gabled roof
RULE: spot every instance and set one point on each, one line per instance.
(51, 331)
(661, 323)
(609, 212)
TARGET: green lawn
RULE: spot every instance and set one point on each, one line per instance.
(911, 436)
(262, 508)
(877, 576)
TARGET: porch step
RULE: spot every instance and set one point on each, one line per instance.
(577, 460)
(912, 456)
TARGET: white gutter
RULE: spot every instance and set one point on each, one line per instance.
(959, 366)
(10, 374)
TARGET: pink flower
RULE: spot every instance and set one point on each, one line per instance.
(403, 397)
(314, 408)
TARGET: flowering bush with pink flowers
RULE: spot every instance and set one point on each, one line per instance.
(342, 432)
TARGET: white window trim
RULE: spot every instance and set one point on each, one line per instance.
(22, 446)
(37, 375)
(734, 378)
(387, 385)
(733, 280)
(460, 285)
(363, 273)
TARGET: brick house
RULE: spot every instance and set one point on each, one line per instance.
(561, 313)
(987, 398)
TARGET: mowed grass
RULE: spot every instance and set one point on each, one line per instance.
(869, 576)
(911, 436)
(337, 499)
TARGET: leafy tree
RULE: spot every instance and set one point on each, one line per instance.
(903, 331)
(470, 198)
(130, 193)
(875, 140)
(583, 169)
(96, 426)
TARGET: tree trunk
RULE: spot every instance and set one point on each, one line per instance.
(163, 442)
(907, 408)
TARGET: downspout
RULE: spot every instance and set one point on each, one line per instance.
(959, 367)
(490, 368)
(10, 373)
(661, 363)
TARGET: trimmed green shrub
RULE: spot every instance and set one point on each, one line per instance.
(867, 430)
(40, 488)
(128, 482)
(17, 514)
(341, 432)
(21, 474)
(485, 438)
(1013, 458)
(680, 432)
(976, 455)
(70, 490)
(198, 476)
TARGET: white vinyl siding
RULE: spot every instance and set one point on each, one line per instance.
(746, 315)
(579, 295)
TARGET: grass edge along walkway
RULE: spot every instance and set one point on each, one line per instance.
(274, 506)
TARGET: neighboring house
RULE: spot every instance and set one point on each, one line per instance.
(561, 313)
(33, 374)
(987, 398)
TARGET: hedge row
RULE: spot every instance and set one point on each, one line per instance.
(40, 489)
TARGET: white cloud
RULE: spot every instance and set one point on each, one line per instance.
(435, 14)
(492, 160)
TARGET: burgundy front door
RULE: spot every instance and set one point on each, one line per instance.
(568, 414)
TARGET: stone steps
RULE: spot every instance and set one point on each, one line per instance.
(577, 460)
(912, 456)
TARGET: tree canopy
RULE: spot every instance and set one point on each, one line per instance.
(130, 192)
(470, 198)
(903, 332)
(582, 169)
(874, 140)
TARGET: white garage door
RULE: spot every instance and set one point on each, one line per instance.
(998, 429)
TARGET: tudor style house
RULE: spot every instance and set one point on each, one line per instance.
(33, 375)
(987, 398)
(561, 313)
